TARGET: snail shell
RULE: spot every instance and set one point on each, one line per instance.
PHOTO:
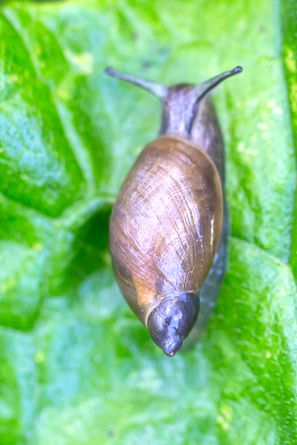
(166, 224)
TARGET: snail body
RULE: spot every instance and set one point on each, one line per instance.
(166, 226)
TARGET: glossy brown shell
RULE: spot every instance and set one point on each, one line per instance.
(166, 224)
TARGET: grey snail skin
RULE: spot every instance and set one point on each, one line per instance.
(168, 227)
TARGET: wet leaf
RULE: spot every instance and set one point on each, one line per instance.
(76, 367)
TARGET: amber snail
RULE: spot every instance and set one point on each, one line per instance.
(168, 225)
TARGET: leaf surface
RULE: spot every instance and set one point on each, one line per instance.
(76, 367)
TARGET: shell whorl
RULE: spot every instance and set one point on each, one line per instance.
(166, 224)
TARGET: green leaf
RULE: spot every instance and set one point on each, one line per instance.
(76, 366)
(289, 52)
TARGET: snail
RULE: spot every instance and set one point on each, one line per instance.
(168, 225)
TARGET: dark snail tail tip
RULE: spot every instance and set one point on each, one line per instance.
(171, 354)
(170, 322)
(171, 349)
